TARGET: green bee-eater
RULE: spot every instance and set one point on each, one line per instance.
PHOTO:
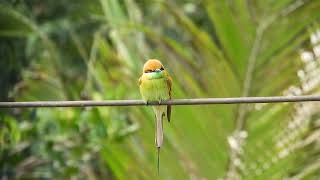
(155, 85)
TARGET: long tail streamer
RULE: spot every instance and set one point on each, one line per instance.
(158, 164)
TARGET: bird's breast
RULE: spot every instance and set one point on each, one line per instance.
(154, 89)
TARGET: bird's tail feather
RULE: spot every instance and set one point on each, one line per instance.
(159, 128)
(159, 133)
(158, 163)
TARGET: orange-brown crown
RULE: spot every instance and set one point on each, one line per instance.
(152, 65)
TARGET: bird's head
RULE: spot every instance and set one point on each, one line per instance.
(153, 68)
(152, 65)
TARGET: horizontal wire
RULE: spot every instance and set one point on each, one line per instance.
(201, 101)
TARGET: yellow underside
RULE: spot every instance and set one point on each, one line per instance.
(154, 89)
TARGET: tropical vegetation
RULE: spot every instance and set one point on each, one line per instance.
(94, 50)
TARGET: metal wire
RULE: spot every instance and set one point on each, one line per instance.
(201, 101)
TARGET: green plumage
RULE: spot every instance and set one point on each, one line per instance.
(154, 87)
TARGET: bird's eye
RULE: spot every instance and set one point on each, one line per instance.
(161, 68)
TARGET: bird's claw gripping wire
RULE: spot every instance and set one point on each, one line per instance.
(148, 103)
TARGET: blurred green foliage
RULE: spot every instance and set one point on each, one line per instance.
(72, 50)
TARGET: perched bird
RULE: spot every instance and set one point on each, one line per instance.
(155, 85)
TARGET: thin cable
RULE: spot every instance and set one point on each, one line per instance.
(201, 101)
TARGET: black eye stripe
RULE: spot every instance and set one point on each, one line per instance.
(149, 71)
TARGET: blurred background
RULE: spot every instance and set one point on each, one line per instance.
(94, 50)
